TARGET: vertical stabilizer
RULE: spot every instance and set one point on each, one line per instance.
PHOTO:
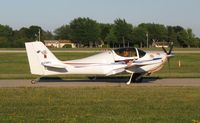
(40, 57)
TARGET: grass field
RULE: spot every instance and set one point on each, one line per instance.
(121, 104)
(99, 49)
(189, 66)
(100, 105)
(15, 65)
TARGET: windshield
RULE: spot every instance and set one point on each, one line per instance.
(126, 52)
(141, 53)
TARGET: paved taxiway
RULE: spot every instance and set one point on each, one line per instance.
(100, 83)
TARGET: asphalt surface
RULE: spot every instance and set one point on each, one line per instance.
(100, 83)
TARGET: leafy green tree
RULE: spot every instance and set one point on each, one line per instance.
(6, 31)
(172, 36)
(4, 42)
(85, 31)
(192, 40)
(23, 32)
(155, 31)
(33, 31)
(47, 35)
(182, 38)
(18, 43)
(178, 29)
(6, 35)
(198, 41)
(63, 32)
(139, 36)
(104, 31)
(111, 38)
(27, 34)
(123, 31)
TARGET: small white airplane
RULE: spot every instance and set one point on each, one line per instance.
(130, 60)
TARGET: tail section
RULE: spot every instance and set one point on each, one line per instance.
(41, 60)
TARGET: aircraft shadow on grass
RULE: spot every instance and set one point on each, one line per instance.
(120, 79)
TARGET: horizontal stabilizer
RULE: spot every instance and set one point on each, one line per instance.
(54, 65)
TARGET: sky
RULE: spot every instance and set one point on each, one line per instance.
(51, 14)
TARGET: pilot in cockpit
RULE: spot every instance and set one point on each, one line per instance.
(125, 54)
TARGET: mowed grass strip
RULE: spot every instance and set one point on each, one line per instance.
(15, 65)
(101, 49)
(100, 105)
(189, 66)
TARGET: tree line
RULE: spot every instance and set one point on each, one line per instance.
(86, 32)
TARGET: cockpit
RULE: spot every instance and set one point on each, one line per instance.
(126, 52)
(130, 52)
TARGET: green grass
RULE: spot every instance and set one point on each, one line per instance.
(189, 66)
(15, 65)
(100, 105)
(99, 49)
(174, 49)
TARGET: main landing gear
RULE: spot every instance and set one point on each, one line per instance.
(135, 77)
(34, 81)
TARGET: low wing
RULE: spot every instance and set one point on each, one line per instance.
(144, 62)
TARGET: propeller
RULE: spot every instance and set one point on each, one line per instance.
(170, 50)
(169, 54)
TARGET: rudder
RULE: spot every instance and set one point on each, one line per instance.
(38, 54)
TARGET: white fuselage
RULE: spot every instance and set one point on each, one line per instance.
(109, 63)
(43, 62)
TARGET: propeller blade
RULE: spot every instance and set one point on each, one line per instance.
(164, 50)
(170, 50)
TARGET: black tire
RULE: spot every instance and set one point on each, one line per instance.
(92, 77)
(135, 76)
(139, 80)
(33, 81)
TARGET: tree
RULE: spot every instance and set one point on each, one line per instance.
(172, 35)
(139, 36)
(48, 35)
(111, 38)
(4, 42)
(155, 31)
(33, 31)
(85, 31)
(123, 31)
(104, 31)
(63, 32)
(28, 34)
(182, 38)
(6, 35)
(178, 29)
(192, 40)
(6, 31)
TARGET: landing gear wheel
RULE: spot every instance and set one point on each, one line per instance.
(138, 80)
(135, 78)
(33, 81)
(92, 77)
